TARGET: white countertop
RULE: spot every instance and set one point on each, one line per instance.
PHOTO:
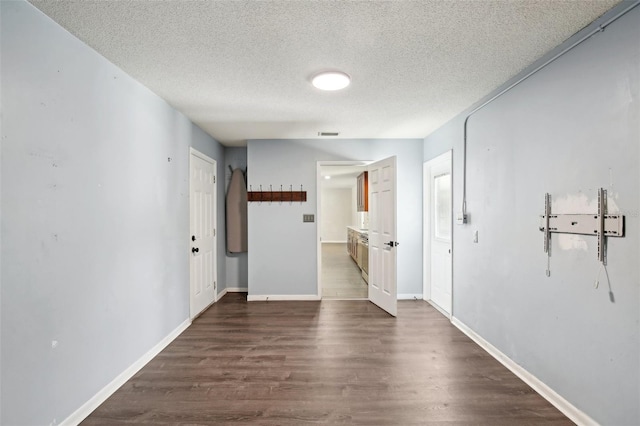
(359, 230)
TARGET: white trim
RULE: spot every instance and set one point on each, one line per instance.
(270, 297)
(88, 407)
(205, 157)
(221, 294)
(410, 296)
(318, 231)
(237, 289)
(575, 415)
(426, 231)
(438, 308)
(334, 242)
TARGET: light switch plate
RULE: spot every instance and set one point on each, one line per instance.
(308, 218)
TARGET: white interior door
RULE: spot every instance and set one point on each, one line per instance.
(202, 261)
(383, 289)
(439, 223)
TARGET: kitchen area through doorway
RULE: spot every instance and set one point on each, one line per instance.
(343, 228)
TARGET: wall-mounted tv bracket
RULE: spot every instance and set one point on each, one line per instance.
(601, 225)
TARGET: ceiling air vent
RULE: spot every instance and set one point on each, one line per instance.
(328, 133)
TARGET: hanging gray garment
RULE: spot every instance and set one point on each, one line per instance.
(237, 214)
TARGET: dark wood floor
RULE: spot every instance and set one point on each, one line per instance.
(329, 362)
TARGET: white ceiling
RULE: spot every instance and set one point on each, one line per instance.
(241, 69)
(340, 176)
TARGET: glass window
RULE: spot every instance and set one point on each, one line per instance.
(442, 206)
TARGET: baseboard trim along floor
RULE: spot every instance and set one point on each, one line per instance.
(568, 409)
(88, 407)
(237, 289)
(409, 296)
(280, 297)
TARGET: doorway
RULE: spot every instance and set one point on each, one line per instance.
(342, 232)
(438, 230)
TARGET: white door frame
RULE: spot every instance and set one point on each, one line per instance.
(426, 228)
(319, 166)
(194, 152)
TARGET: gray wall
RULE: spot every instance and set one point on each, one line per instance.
(236, 263)
(568, 130)
(94, 249)
(282, 249)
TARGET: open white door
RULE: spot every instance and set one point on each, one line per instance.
(202, 261)
(383, 289)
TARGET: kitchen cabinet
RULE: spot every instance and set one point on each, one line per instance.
(358, 249)
(352, 243)
(362, 187)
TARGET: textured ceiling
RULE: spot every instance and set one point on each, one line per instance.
(241, 69)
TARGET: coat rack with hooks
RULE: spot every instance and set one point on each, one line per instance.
(281, 195)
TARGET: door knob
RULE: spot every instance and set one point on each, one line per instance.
(195, 250)
(193, 238)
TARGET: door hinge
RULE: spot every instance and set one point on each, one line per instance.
(214, 232)
(214, 179)
(214, 285)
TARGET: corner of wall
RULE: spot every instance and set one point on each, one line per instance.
(236, 264)
(1, 139)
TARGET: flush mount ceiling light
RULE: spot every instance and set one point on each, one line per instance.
(331, 80)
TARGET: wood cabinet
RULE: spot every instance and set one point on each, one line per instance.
(362, 187)
(358, 249)
(352, 243)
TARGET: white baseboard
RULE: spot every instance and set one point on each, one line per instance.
(568, 409)
(409, 296)
(88, 407)
(270, 297)
(439, 309)
(237, 289)
(221, 294)
(263, 298)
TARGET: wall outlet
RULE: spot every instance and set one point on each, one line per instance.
(475, 236)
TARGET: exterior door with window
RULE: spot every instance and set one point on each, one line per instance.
(440, 225)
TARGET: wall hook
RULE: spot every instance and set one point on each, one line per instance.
(280, 195)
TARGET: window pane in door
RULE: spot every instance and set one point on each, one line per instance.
(442, 206)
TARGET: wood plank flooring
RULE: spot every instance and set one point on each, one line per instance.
(328, 362)
(341, 277)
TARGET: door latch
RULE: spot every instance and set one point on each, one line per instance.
(392, 244)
